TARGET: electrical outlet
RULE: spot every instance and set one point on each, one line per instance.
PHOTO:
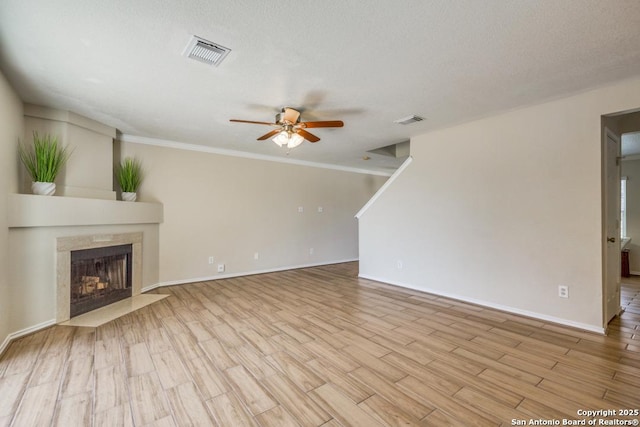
(210, 260)
(320, 209)
(563, 291)
(256, 256)
(220, 268)
(300, 209)
(399, 264)
(310, 251)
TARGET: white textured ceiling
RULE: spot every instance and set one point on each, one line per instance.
(365, 62)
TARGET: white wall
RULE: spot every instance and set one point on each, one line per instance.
(230, 208)
(11, 129)
(631, 169)
(502, 210)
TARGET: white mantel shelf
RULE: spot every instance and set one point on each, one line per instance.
(28, 210)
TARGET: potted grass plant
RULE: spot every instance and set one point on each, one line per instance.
(129, 176)
(43, 162)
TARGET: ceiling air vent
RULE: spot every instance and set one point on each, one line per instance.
(205, 51)
(408, 120)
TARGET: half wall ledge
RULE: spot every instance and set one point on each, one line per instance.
(28, 210)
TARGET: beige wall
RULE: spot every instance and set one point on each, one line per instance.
(220, 206)
(11, 129)
(631, 169)
(230, 208)
(89, 171)
(503, 210)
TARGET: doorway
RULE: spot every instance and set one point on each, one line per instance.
(616, 149)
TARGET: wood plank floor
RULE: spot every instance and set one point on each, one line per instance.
(317, 347)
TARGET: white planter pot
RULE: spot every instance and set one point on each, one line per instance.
(43, 188)
(129, 197)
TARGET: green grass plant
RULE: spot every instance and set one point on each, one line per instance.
(45, 159)
(129, 175)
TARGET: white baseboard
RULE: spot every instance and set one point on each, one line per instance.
(508, 309)
(634, 273)
(245, 273)
(31, 329)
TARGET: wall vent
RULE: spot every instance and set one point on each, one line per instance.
(205, 51)
(408, 120)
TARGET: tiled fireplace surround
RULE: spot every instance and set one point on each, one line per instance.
(65, 245)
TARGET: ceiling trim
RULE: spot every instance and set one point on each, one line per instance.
(233, 153)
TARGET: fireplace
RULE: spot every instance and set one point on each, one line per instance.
(96, 270)
(99, 277)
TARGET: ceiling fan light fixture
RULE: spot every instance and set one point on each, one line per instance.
(287, 139)
(295, 140)
(281, 138)
(290, 131)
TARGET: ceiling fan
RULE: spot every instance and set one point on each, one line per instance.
(290, 131)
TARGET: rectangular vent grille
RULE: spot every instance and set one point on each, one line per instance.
(408, 120)
(206, 51)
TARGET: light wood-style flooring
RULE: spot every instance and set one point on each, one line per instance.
(317, 347)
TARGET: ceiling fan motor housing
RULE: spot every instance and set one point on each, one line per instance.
(280, 118)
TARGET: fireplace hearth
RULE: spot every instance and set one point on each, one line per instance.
(99, 276)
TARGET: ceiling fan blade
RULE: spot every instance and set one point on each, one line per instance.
(290, 115)
(323, 124)
(308, 136)
(255, 123)
(269, 135)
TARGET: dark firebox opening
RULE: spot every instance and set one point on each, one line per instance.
(99, 277)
